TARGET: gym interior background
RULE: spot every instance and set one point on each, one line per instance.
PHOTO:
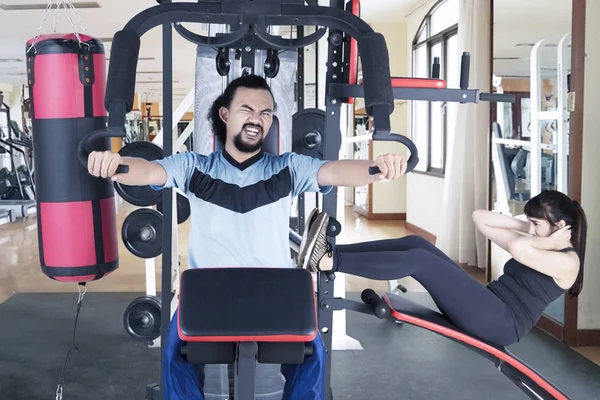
(481, 159)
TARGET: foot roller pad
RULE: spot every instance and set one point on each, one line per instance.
(247, 304)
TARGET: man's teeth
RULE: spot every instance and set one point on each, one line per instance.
(252, 131)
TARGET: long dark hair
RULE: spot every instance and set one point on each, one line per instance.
(554, 206)
(219, 127)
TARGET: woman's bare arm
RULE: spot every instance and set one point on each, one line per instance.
(500, 229)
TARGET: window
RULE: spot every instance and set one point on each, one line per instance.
(433, 121)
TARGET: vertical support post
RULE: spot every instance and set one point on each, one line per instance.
(248, 58)
(331, 148)
(300, 97)
(562, 136)
(245, 374)
(167, 193)
(300, 72)
(535, 165)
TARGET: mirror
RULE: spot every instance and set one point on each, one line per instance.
(530, 138)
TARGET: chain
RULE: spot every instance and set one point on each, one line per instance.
(72, 15)
(76, 14)
(45, 16)
(59, 388)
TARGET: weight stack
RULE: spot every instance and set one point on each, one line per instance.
(76, 212)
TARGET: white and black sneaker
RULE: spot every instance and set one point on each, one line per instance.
(302, 248)
(315, 246)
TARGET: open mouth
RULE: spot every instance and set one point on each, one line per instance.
(252, 131)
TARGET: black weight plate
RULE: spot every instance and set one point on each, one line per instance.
(142, 318)
(142, 196)
(308, 127)
(142, 233)
(183, 208)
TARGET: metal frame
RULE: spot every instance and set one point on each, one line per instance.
(268, 13)
(560, 142)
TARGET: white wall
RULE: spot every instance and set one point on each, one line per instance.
(589, 299)
(424, 193)
(390, 198)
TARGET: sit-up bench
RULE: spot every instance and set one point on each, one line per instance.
(523, 376)
(244, 316)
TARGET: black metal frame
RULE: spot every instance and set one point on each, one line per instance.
(264, 13)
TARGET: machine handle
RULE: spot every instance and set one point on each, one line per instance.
(413, 160)
(86, 143)
(378, 305)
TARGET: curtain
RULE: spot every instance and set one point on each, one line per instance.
(467, 161)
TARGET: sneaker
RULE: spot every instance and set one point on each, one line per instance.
(302, 247)
(316, 243)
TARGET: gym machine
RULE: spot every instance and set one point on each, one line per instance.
(540, 170)
(17, 191)
(251, 20)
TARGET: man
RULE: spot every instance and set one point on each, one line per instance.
(240, 202)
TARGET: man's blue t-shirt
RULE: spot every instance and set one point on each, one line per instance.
(240, 211)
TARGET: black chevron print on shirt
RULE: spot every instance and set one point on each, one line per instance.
(241, 199)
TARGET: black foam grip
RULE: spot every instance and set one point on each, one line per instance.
(377, 79)
(465, 68)
(435, 72)
(378, 305)
(122, 69)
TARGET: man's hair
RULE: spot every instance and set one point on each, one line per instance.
(250, 82)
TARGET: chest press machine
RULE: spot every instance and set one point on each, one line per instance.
(250, 335)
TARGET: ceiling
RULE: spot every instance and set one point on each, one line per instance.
(519, 24)
(16, 27)
(516, 21)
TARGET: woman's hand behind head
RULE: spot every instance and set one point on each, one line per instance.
(562, 238)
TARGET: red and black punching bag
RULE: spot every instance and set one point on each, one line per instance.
(76, 212)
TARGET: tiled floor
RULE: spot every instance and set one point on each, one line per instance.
(20, 271)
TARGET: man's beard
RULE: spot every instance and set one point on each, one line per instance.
(248, 147)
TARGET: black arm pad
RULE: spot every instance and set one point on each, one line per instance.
(122, 69)
(377, 79)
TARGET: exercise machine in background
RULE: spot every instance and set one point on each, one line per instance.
(17, 189)
(523, 168)
(378, 89)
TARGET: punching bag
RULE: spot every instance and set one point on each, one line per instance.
(76, 212)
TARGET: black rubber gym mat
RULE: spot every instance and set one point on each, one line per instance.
(36, 332)
(399, 361)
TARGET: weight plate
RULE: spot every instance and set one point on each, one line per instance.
(142, 318)
(307, 132)
(183, 208)
(142, 196)
(142, 233)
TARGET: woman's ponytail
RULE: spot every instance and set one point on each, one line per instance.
(579, 241)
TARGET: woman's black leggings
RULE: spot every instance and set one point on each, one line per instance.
(467, 303)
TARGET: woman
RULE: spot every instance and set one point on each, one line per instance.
(547, 260)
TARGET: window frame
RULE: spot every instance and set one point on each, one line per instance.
(429, 41)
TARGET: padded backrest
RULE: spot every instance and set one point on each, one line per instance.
(270, 145)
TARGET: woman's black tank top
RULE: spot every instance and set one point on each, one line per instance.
(527, 293)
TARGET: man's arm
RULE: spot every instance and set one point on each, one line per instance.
(141, 172)
(354, 173)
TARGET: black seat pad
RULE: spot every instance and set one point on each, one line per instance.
(247, 304)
